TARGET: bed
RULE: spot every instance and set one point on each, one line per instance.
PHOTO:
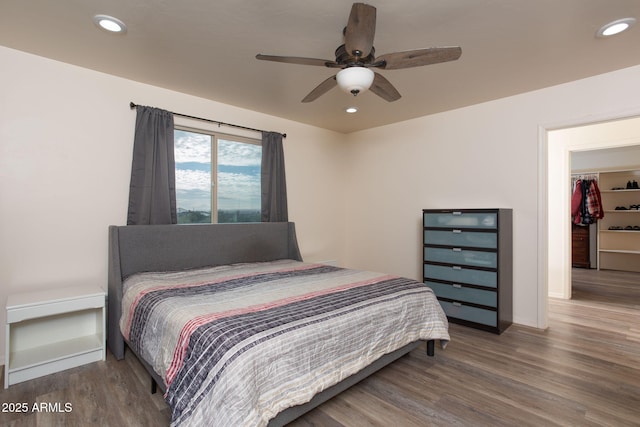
(236, 329)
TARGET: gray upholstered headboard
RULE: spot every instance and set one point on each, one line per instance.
(140, 248)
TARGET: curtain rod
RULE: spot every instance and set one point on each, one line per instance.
(284, 135)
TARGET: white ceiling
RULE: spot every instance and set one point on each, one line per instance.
(207, 48)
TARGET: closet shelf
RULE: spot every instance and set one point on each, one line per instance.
(630, 190)
(620, 251)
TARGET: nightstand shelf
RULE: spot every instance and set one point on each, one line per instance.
(53, 330)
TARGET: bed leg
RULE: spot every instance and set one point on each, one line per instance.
(431, 345)
(154, 386)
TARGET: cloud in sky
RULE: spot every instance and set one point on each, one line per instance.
(238, 191)
(232, 153)
(238, 180)
(189, 179)
(192, 147)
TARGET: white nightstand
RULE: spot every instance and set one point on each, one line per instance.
(53, 330)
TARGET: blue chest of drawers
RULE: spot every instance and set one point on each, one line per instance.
(468, 263)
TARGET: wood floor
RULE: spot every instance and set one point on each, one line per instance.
(583, 371)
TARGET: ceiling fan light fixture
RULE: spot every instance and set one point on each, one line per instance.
(615, 27)
(109, 23)
(351, 110)
(355, 80)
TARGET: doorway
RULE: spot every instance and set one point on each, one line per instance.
(559, 144)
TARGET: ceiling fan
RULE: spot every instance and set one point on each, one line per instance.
(356, 57)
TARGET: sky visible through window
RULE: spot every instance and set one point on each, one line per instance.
(238, 181)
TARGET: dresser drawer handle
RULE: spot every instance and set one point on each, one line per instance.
(457, 231)
(456, 249)
(457, 286)
(456, 213)
(457, 304)
(456, 267)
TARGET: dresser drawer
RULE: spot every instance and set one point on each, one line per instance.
(472, 314)
(460, 256)
(457, 219)
(459, 274)
(459, 237)
(464, 294)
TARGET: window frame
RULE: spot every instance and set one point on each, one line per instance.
(215, 136)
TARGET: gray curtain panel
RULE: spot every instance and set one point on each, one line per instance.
(152, 193)
(274, 189)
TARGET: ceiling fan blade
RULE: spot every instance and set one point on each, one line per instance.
(418, 57)
(361, 28)
(384, 89)
(321, 89)
(297, 60)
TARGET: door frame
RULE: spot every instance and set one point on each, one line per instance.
(554, 228)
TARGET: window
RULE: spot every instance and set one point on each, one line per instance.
(217, 177)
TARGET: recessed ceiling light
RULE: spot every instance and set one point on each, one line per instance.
(351, 110)
(109, 23)
(615, 27)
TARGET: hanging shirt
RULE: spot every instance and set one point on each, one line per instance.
(585, 214)
(576, 202)
(594, 202)
(586, 203)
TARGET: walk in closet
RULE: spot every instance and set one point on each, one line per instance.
(617, 219)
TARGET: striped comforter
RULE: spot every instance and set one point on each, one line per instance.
(238, 344)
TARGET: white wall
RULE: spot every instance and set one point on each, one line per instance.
(621, 158)
(66, 138)
(487, 155)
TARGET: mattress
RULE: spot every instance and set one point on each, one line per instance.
(238, 344)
